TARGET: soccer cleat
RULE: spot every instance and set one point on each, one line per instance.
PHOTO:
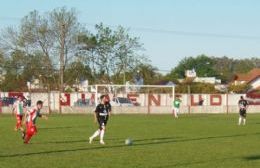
(102, 142)
(90, 140)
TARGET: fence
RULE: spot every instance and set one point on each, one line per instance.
(139, 103)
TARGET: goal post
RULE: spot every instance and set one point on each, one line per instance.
(138, 98)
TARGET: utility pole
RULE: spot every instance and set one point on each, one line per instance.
(62, 53)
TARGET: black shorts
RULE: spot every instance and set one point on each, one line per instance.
(242, 112)
(102, 121)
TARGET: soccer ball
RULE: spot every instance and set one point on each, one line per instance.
(128, 142)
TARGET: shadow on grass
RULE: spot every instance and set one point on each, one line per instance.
(253, 157)
(67, 127)
(140, 142)
(62, 142)
(117, 140)
(186, 164)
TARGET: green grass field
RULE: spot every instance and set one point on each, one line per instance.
(159, 141)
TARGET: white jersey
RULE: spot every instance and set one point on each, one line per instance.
(33, 114)
(18, 107)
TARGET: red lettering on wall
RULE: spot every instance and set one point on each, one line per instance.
(14, 94)
(152, 99)
(215, 100)
(133, 97)
(92, 99)
(65, 100)
(193, 102)
(83, 97)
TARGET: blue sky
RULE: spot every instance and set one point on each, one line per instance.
(167, 45)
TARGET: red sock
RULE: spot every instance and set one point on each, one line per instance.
(27, 138)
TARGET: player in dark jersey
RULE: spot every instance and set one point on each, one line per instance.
(243, 105)
(101, 115)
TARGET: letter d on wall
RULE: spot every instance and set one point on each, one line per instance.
(215, 100)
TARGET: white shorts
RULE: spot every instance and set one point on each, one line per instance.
(176, 110)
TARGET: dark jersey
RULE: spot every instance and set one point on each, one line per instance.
(102, 110)
(102, 113)
(242, 104)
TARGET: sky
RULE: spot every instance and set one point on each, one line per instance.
(169, 29)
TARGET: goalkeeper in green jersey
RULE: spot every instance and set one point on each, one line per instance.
(176, 106)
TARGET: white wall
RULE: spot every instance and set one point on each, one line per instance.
(159, 103)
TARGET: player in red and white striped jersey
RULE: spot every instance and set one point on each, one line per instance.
(31, 117)
(18, 108)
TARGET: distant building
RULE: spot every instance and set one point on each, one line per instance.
(190, 73)
(35, 84)
(211, 80)
(251, 78)
(191, 76)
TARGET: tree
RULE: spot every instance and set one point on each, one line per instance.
(56, 40)
(196, 88)
(227, 67)
(77, 72)
(202, 64)
(44, 33)
(110, 53)
(149, 73)
(13, 68)
(242, 88)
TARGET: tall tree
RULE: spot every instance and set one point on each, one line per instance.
(111, 52)
(202, 64)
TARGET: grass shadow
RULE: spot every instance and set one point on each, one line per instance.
(252, 157)
(54, 128)
(160, 140)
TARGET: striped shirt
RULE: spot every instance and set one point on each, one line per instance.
(18, 107)
(33, 114)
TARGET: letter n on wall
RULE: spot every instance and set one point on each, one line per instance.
(152, 100)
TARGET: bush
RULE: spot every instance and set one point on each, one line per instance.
(196, 88)
(242, 88)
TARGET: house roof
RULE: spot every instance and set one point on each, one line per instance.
(248, 77)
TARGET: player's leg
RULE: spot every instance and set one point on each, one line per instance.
(244, 121)
(240, 117)
(102, 134)
(27, 134)
(176, 112)
(96, 133)
(239, 120)
(30, 131)
(18, 122)
(244, 118)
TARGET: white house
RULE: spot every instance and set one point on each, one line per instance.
(191, 75)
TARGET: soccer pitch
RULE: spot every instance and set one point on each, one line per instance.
(158, 141)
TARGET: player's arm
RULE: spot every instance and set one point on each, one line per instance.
(95, 114)
(247, 104)
(95, 117)
(110, 110)
(13, 107)
(43, 116)
(25, 116)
